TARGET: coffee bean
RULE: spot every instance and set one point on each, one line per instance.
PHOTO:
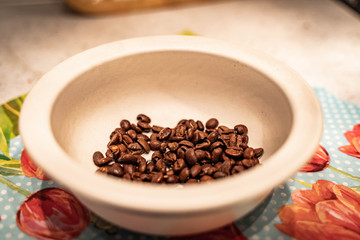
(184, 175)
(233, 140)
(219, 175)
(169, 158)
(237, 169)
(216, 155)
(200, 125)
(189, 134)
(225, 167)
(216, 145)
(207, 169)
(180, 153)
(258, 152)
(102, 161)
(157, 177)
(143, 118)
(213, 136)
(127, 139)
(192, 180)
(136, 176)
(144, 144)
(164, 133)
(180, 130)
(222, 128)
(206, 178)
(190, 156)
(173, 146)
(200, 154)
(192, 124)
(150, 167)
(195, 170)
(179, 164)
(116, 170)
(186, 143)
(97, 156)
(212, 123)
(109, 153)
(203, 145)
(142, 136)
(160, 166)
(172, 179)
(128, 158)
(103, 169)
(182, 122)
(155, 145)
(163, 146)
(241, 129)
(234, 152)
(114, 140)
(127, 176)
(144, 126)
(129, 168)
(141, 164)
(122, 148)
(249, 153)
(145, 177)
(247, 163)
(135, 147)
(136, 128)
(170, 172)
(156, 128)
(125, 124)
(156, 156)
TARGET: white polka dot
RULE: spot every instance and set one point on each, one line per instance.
(255, 237)
(337, 161)
(345, 184)
(7, 207)
(266, 228)
(299, 174)
(38, 183)
(11, 199)
(264, 218)
(347, 162)
(321, 175)
(22, 177)
(292, 180)
(50, 182)
(18, 184)
(254, 228)
(357, 163)
(350, 169)
(21, 235)
(3, 192)
(28, 183)
(11, 154)
(292, 188)
(280, 238)
(281, 186)
(12, 226)
(283, 194)
(8, 235)
(331, 175)
(310, 174)
(267, 238)
(273, 202)
(3, 217)
(1, 226)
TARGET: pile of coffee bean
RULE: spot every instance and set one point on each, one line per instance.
(190, 152)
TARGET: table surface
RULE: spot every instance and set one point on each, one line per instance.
(319, 39)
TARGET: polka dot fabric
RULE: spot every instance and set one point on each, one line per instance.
(339, 116)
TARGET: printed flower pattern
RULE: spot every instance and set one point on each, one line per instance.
(52, 213)
(353, 138)
(229, 232)
(30, 169)
(327, 211)
(319, 161)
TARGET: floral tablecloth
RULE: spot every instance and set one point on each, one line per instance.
(321, 201)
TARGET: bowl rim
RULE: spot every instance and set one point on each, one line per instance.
(36, 132)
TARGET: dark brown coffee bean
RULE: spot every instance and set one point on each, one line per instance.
(136, 128)
(128, 158)
(173, 146)
(172, 179)
(216, 155)
(241, 129)
(122, 148)
(219, 175)
(141, 164)
(184, 175)
(200, 154)
(182, 122)
(114, 140)
(206, 178)
(160, 166)
(218, 165)
(132, 133)
(222, 128)
(136, 176)
(234, 152)
(207, 169)
(213, 136)
(233, 140)
(180, 130)
(216, 145)
(202, 135)
(189, 134)
(120, 131)
(125, 124)
(176, 138)
(102, 161)
(195, 170)
(179, 164)
(143, 118)
(228, 131)
(145, 177)
(144, 126)
(157, 177)
(200, 125)
(129, 168)
(103, 169)
(155, 145)
(239, 140)
(245, 139)
(225, 167)
(190, 156)
(225, 157)
(127, 176)
(258, 152)
(156, 156)
(164, 133)
(203, 145)
(135, 147)
(127, 139)
(192, 124)
(144, 144)
(247, 163)
(169, 158)
(186, 143)
(180, 153)
(237, 169)
(249, 153)
(150, 167)
(109, 153)
(156, 128)
(163, 146)
(192, 180)
(116, 170)
(170, 172)
(212, 123)
(142, 136)
(97, 156)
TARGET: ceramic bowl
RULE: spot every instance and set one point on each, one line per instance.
(71, 111)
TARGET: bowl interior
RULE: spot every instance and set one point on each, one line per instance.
(168, 86)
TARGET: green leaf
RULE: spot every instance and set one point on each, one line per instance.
(4, 147)
(12, 110)
(10, 172)
(3, 157)
(15, 166)
(14, 187)
(9, 161)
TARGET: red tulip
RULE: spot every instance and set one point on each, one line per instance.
(319, 161)
(30, 169)
(327, 211)
(229, 232)
(353, 138)
(52, 213)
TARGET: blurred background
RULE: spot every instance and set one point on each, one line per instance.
(319, 39)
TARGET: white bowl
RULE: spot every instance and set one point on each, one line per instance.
(71, 111)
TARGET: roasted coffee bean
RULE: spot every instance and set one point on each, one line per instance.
(156, 156)
(213, 136)
(189, 134)
(258, 152)
(132, 133)
(237, 169)
(207, 169)
(144, 144)
(216, 155)
(114, 140)
(228, 131)
(202, 135)
(218, 165)
(207, 155)
(247, 163)
(222, 128)
(169, 158)
(203, 145)
(206, 178)
(122, 148)
(120, 131)
(190, 157)
(102, 161)
(170, 172)
(241, 129)
(97, 156)
(164, 133)
(216, 145)
(109, 153)
(233, 140)
(179, 164)
(116, 170)
(176, 138)
(219, 175)
(157, 177)
(127, 176)
(234, 152)
(172, 179)
(173, 146)
(103, 169)
(182, 122)
(128, 158)
(180, 130)
(163, 146)
(225, 157)
(136, 128)
(136, 176)
(200, 154)
(195, 170)
(145, 177)
(245, 139)
(180, 153)
(184, 175)
(142, 136)
(186, 143)
(155, 145)
(212, 123)
(135, 147)
(143, 118)
(127, 139)
(144, 126)
(192, 124)
(225, 167)
(150, 167)
(160, 166)
(141, 164)
(200, 125)
(129, 168)
(249, 153)
(192, 180)
(156, 128)
(125, 124)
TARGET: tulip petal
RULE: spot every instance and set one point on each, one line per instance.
(355, 142)
(287, 229)
(304, 198)
(305, 230)
(349, 135)
(335, 212)
(289, 214)
(350, 150)
(348, 197)
(30, 169)
(319, 161)
(356, 129)
(324, 190)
